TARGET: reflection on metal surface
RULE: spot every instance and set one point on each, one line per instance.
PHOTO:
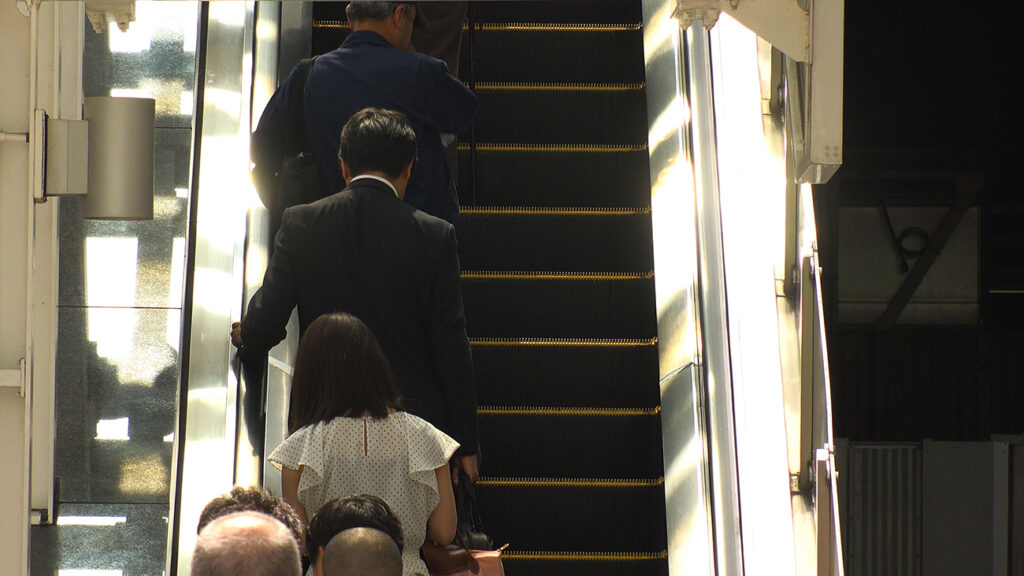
(713, 335)
(296, 36)
(207, 458)
(272, 404)
(673, 215)
(825, 441)
(752, 200)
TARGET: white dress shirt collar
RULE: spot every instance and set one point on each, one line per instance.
(378, 178)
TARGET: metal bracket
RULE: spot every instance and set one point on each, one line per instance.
(14, 378)
(707, 11)
(102, 11)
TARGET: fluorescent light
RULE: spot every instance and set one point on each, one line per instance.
(130, 93)
(89, 521)
(187, 103)
(116, 429)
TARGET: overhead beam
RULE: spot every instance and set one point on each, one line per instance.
(785, 24)
(967, 188)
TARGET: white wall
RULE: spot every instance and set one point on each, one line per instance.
(14, 206)
(28, 231)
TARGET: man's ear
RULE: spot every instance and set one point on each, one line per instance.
(400, 14)
(407, 172)
(346, 173)
(318, 564)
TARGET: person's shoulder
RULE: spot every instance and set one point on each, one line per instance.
(413, 422)
(429, 222)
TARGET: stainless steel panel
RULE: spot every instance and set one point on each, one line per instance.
(280, 29)
(280, 365)
(687, 495)
(751, 186)
(218, 210)
(713, 327)
(296, 36)
(673, 205)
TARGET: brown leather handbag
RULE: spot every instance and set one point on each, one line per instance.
(458, 560)
(472, 554)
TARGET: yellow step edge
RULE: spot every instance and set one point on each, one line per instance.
(331, 25)
(510, 27)
(576, 148)
(571, 482)
(553, 27)
(551, 211)
(563, 342)
(585, 556)
(511, 275)
(565, 411)
(555, 87)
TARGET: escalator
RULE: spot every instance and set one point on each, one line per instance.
(556, 251)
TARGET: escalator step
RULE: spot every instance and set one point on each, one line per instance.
(576, 515)
(570, 240)
(559, 305)
(518, 52)
(607, 12)
(546, 113)
(585, 564)
(588, 374)
(542, 176)
(536, 441)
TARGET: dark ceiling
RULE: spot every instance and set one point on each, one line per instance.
(930, 90)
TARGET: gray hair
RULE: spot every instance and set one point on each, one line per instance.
(371, 9)
(246, 544)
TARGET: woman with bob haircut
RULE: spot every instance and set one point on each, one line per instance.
(349, 435)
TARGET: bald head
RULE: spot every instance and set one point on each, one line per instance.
(246, 543)
(362, 552)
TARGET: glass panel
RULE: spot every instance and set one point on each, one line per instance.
(118, 380)
(119, 321)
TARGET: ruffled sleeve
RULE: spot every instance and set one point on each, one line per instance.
(429, 449)
(302, 449)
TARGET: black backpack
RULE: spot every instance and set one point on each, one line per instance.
(284, 172)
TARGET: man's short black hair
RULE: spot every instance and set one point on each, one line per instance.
(359, 511)
(377, 140)
(371, 9)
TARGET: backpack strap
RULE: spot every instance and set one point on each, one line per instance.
(296, 139)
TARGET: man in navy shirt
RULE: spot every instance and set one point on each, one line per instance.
(376, 67)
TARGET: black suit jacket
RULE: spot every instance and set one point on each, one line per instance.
(366, 252)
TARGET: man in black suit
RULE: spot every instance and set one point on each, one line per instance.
(366, 252)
